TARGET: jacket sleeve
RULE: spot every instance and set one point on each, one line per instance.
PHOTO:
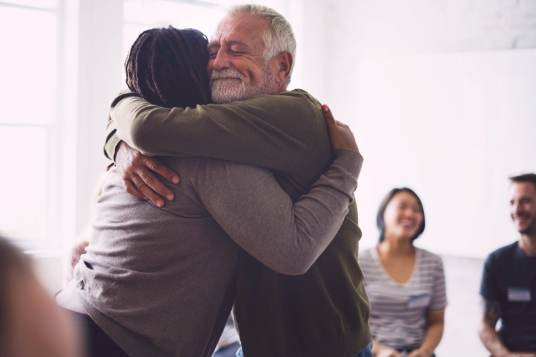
(273, 131)
(250, 206)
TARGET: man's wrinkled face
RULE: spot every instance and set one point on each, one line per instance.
(523, 206)
(237, 68)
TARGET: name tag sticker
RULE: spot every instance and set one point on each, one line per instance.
(519, 294)
(418, 301)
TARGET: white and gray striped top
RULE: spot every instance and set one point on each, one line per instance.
(398, 311)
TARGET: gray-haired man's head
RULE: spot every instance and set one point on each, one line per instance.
(252, 52)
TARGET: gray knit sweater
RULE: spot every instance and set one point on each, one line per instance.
(161, 281)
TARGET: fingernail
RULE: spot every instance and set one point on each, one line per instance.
(169, 197)
(325, 108)
(175, 180)
(159, 203)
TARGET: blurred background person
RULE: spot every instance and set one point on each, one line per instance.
(508, 285)
(405, 284)
(31, 325)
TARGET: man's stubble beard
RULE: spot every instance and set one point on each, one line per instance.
(529, 231)
(225, 91)
(531, 228)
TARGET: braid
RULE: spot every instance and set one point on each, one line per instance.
(167, 67)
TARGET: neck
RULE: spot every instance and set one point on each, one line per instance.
(396, 247)
(527, 243)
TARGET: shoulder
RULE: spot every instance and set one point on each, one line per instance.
(366, 254)
(301, 95)
(429, 257)
(502, 254)
(430, 262)
(505, 251)
(298, 101)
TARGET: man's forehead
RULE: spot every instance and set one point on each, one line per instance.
(519, 189)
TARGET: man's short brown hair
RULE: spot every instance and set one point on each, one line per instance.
(524, 178)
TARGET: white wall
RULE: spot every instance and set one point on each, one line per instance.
(427, 83)
(453, 127)
(361, 28)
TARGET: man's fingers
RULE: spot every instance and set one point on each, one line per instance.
(328, 116)
(137, 168)
(162, 170)
(148, 192)
(131, 188)
(154, 184)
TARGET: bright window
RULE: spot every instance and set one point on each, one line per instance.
(29, 120)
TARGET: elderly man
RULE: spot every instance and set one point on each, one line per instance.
(509, 281)
(323, 312)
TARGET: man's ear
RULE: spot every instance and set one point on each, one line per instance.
(284, 63)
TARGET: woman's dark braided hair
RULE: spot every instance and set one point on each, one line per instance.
(168, 67)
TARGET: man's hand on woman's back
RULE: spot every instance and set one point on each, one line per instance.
(138, 174)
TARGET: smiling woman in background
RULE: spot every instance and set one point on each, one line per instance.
(405, 284)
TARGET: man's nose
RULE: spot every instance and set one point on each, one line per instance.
(222, 60)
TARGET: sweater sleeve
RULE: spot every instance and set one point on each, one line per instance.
(272, 131)
(250, 206)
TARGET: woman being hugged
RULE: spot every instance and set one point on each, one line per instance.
(405, 284)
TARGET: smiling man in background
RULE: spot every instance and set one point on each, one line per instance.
(509, 280)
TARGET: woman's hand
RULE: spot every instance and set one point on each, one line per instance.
(388, 352)
(419, 353)
(340, 134)
(379, 350)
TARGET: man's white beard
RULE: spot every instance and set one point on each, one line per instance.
(230, 90)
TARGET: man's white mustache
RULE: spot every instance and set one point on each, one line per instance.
(225, 74)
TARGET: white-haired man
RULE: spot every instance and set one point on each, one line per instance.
(323, 312)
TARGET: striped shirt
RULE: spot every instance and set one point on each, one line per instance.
(398, 315)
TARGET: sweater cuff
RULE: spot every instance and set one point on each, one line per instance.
(122, 96)
(350, 160)
(112, 141)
